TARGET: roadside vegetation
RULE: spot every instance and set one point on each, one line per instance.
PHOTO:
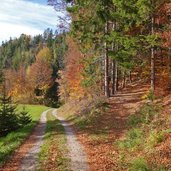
(84, 113)
(10, 142)
(141, 137)
(142, 146)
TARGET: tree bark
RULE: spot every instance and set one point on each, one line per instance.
(124, 79)
(152, 59)
(107, 92)
(130, 77)
(116, 77)
(113, 77)
(113, 63)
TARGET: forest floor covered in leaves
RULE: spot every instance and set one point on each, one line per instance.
(124, 132)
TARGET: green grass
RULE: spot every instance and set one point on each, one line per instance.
(132, 141)
(13, 140)
(54, 140)
(34, 110)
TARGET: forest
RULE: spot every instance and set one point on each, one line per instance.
(34, 60)
(107, 71)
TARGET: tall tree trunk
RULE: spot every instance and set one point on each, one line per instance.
(116, 77)
(130, 77)
(102, 75)
(124, 79)
(107, 92)
(152, 59)
(113, 77)
(113, 62)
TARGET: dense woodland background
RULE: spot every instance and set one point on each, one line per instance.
(30, 67)
(109, 45)
(119, 42)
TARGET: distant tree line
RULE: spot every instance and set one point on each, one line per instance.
(30, 66)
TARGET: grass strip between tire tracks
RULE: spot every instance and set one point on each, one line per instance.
(53, 155)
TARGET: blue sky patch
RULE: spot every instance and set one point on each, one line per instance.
(30, 17)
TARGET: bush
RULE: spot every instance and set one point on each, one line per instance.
(139, 164)
(155, 138)
(133, 139)
(149, 96)
(145, 114)
(135, 119)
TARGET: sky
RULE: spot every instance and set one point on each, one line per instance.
(30, 17)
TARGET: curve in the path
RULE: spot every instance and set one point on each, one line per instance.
(29, 161)
(76, 152)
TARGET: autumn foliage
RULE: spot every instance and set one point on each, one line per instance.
(18, 84)
(40, 74)
(23, 83)
(71, 77)
(163, 55)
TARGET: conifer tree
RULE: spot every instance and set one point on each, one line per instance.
(24, 117)
(148, 11)
(8, 116)
(120, 31)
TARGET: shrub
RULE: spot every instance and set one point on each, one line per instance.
(144, 115)
(133, 139)
(155, 138)
(135, 119)
(139, 164)
(149, 96)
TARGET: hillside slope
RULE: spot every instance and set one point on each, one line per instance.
(123, 132)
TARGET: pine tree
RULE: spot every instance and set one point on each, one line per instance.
(8, 116)
(24, 117)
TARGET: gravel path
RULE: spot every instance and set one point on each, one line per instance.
(30, 162)
(76, 152)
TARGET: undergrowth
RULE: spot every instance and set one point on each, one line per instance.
(139, 164)
(141, 139)
(84, 113)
